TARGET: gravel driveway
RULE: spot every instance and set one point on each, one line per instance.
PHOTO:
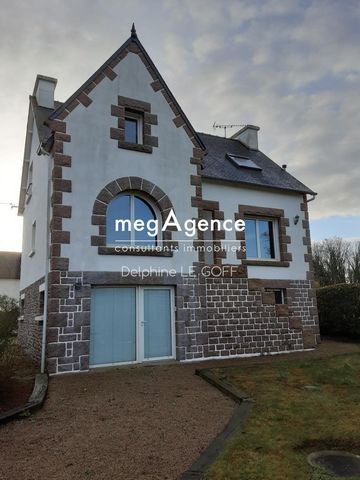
(128, 423)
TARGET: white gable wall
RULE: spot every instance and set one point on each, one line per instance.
(97, 160)
(230, 196)
(33, 268)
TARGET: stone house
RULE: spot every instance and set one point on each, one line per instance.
(121, 148)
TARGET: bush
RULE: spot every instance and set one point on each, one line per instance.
(339, 310)
(9, 312)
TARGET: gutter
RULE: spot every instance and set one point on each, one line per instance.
(311, 199)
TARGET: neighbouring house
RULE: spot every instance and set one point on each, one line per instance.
(10, 274)
(94, 292)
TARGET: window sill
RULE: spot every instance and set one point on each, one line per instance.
(21, 318)
(137, 147)
(32, 253)
(265, 263)
(39, 318)
(134, 251)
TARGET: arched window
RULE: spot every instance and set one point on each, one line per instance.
(130, 221)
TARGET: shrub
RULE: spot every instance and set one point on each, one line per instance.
(9, 312)
(339, 310)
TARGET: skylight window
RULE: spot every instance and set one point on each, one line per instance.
(242, 161)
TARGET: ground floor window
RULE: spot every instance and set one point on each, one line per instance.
(280, 295)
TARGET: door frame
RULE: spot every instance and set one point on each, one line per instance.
(139, 329)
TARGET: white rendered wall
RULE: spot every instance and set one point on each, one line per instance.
(9, 287)
(33, 268)
(97, 160)
(230, 196)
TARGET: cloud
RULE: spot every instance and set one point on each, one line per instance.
(290, 67)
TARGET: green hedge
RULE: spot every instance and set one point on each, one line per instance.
(339, 310)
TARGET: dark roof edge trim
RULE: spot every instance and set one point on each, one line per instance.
(255, 185)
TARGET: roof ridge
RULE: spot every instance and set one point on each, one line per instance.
(217, 136)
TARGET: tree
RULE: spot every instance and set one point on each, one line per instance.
(354, 264)
(331, 261)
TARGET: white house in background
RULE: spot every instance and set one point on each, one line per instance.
(10, 274)
(121, 148)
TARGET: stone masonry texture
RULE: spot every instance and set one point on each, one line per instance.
(215, 317)
(30, 327)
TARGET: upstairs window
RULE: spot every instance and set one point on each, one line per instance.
(133, 127)
(260, 237)
(125, 216)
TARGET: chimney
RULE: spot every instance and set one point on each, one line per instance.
(248, 135)
(44, 91)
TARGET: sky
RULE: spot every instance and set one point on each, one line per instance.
(290, 67)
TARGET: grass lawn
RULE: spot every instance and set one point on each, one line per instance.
(300, 407)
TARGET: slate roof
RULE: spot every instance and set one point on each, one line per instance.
(218, 167)
(10, 265)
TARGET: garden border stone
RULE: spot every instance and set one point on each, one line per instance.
(198, 468)
(34, 402)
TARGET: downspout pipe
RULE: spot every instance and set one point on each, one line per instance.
(42, 151)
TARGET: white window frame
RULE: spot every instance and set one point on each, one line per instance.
(275, 223)
(139, 120)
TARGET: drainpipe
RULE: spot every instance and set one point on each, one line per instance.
(47, 259)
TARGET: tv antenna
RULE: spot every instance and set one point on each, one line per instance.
(12, 205)
(225, 127)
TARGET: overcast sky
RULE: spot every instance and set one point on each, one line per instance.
(291, 67)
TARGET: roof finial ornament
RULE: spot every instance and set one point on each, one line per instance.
(133, 31)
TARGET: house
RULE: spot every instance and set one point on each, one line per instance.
(103, 282)
(10, 274)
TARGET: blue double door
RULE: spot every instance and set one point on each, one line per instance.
(130, 324)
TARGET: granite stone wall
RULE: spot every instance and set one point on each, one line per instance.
(30, 322)
(214, 317)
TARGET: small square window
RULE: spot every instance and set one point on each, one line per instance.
(279, 295)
